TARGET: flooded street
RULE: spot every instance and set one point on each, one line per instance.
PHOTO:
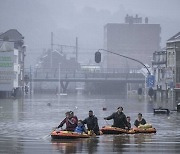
(25, 126)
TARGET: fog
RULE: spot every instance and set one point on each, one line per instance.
(85, 19)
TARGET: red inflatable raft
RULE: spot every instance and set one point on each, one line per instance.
(115, 130)
(67, 135)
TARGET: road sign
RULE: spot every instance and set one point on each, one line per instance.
(150, 80)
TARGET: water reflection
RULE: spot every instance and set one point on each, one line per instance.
(92, 144)
(10, 145)
(120, 142)
(68, 146)
(140, 139)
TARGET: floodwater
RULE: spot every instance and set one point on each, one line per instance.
(25, 126)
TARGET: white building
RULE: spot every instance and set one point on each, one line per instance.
(11, 64)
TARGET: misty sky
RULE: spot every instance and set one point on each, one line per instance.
(36, 19)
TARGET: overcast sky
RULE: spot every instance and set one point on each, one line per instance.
(36, 19)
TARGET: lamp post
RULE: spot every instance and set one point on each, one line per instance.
(59, 85)
(22, 67)
(98, 60)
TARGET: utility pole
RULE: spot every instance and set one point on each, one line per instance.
(51, 49)
(76, 49)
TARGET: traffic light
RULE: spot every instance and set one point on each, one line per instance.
(97, 57)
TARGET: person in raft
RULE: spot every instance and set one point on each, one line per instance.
(70, 121)
(139, 120)
(128, 123)
(119, 118)
(92, 123)
(73, 116)
(80, 127)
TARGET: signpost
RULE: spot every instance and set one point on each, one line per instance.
(150, 80)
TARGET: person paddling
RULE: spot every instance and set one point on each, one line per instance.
(70, 121)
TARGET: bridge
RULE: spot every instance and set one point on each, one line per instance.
(64, 77)
(93, 77)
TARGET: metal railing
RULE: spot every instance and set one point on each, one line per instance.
(65, 74)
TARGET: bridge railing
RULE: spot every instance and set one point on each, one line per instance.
(69, 73)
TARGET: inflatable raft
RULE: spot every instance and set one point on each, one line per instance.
(115, 130)
(67, 135)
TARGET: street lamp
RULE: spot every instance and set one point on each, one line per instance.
(59, 85)
(98, 58)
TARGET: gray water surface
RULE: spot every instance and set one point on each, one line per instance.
(25, 126)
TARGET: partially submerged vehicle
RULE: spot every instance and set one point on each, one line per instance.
(161, 111)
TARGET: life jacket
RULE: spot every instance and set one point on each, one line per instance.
(80, 129)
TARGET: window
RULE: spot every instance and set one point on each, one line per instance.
(178, 74)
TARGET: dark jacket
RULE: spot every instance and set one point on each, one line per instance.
(71, 123)
(119, 120)
(137, 122)
(151, 92)
(129, 125)
(92, 124)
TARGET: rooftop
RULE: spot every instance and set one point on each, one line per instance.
(175, 38)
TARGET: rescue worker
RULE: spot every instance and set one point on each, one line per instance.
(119, 118)
(92, 123)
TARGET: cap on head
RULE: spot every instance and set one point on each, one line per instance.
(120, 108)
(91, 111)
(140, 114)
(71, 112)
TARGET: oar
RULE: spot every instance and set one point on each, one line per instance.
(46, 136)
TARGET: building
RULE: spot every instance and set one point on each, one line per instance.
(12, 53)
(59, 67)
(134, 39)
(173, 65)
(166, 69)
(159, 67)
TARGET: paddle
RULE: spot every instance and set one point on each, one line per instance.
(53, 129)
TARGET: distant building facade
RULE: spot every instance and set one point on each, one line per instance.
(12, 53)
(59, 67)
(134, 39)
(166, 69)
(173, 64)
(159, 67)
